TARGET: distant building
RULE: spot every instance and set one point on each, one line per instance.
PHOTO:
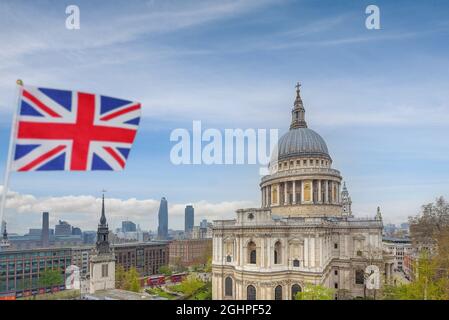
(76, 231)
(199, 232)
(146, 257)
(2, 227)
(89, 237)
(189, 218)
(176, 234)
(389, 229)
(399, 248)
(203, 224)
(20, 270)
(128, 226)
(81, 256)
(162, 231)
(45, 235)
(34, 232)
(190, 251)
(63, 229)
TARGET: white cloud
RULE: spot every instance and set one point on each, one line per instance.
(24, 211)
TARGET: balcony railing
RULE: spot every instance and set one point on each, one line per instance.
(302, 171)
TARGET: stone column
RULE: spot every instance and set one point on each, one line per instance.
(339, 192)
(285, 193)
(312, 252)
(263, 197)
(326, 191)
(278, 193)
(266, 196)
(321, 261)
(331, 185)
(306, 252)
(319, 191)
(269, 196)
(387, 273)
(302, 191)
(261, 263)
(294, 192)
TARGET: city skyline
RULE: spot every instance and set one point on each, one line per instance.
(379, 98)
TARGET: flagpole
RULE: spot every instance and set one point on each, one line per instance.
(11, 150)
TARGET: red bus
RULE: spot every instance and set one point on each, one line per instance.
(156, 281)
(178, 277)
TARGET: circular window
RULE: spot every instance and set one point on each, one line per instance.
(250, 216)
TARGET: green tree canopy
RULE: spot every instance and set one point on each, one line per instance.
(165, 270)
(426, 286)
(51, 277)
(315, 292)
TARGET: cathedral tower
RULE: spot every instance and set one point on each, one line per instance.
(302, 182)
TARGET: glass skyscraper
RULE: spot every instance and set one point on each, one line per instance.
(189, 218)
(162, 230)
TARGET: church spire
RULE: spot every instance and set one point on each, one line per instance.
(103, 233)
(298, 112)
(103, 215)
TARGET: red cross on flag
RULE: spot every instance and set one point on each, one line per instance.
(73, 131)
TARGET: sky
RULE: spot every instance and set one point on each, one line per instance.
(379, 98)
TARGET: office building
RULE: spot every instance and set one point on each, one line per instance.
(45, 230)
(128, 226)
(162, 231)
(63, 228)
(189, 217)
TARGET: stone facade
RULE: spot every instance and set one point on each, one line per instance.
(303, 233)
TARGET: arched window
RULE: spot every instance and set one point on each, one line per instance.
(228, 258)
(359, 277)
(250, 293)
(252, 253)
(277, 253)
(296, 263)
(295, 289)
(228, 287)
(278, 293)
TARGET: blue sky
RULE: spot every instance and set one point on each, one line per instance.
(378, 97)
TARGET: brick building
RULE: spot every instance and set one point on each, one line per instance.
(190, 251)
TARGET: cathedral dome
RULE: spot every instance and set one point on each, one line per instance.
(302, 142)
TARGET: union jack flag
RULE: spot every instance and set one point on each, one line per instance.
(73, 131)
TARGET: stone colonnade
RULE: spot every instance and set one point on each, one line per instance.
(313, 191)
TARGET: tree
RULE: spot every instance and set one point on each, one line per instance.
(208, 267)
(315, 292)
(189, 285)
(165, 270)
(205, 293)
(132, 282)
(428, 285)
(127, 280)
(120, 277)
(427, 225)
(50, 277)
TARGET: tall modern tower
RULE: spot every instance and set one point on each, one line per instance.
(189, 218)
(162, 230)
(45, 230)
